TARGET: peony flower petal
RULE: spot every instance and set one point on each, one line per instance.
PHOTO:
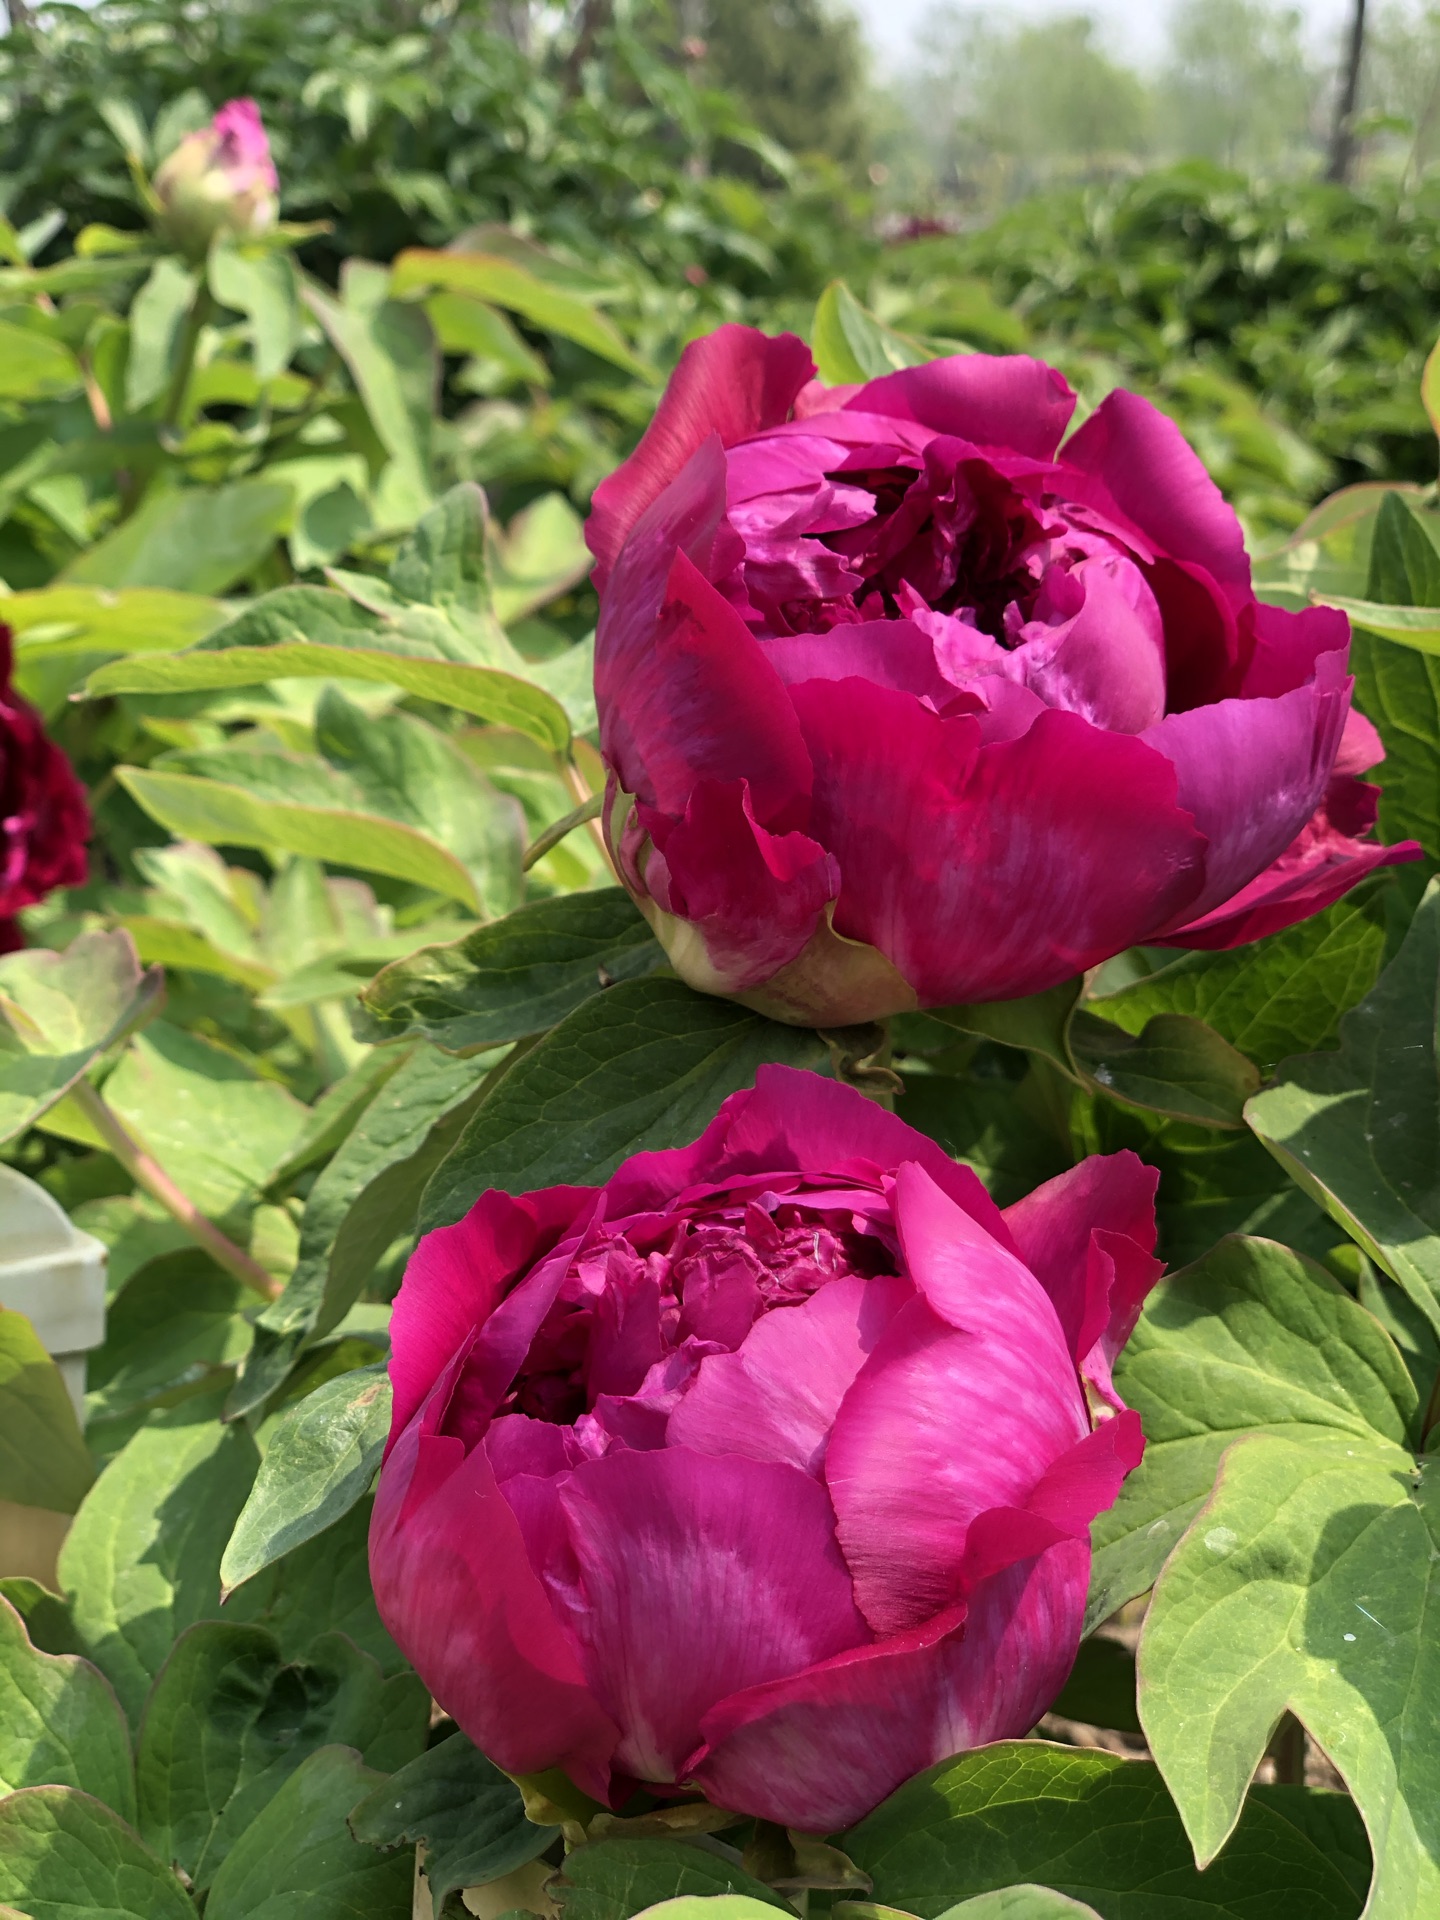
(777, 1397)
(995, 1368)
(1287, 648)
(1160, 485)
(697, 1577)
(458, 1275)
(734, 383)
(1106, 662)
(991, 873)
(888, 653)
(991, 400)
(747, 900)
(1252, 772)
(689, 695)
(455, 1588)
(1097, 1289)
(818, 1751)
(1326, 858)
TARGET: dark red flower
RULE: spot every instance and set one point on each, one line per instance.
(44, 820)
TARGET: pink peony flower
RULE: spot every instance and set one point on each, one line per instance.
(44, 819)
(766, 1469)
(219, 180)
(906, 704)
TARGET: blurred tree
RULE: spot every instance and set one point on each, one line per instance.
(797, 67)
(1343, 138)
(1239, 85)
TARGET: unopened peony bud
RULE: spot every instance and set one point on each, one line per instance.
(219, 180)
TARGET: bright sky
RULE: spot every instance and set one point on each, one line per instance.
(1133, 27)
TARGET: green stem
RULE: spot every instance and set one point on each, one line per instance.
(198, 318)
(149, 1175)
(576, 782)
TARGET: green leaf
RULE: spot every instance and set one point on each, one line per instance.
(64, 1856)
(850, 345)
(43, 1461)
(444, 562)
(60, 1723)
(157, 319)
(518, 976)
(1101, 1687)
(540, 555)
(298, 1861)
(193, 540)
(468, 1816)
(720, 1906)
(1400, 691)
(142, 1561)
(1416, 627)
(215, 1126)
(46, 1617)
(177, 1319)
(505, 283)
(1359, 1130)
(261, 284)
(1021, 1903)
(1250, 1337)
(322, 1456)
(1277, 996)
(228, 1722)
(1308, 1582)
(1404, 562)
(1176, 1066)
(393, 358)
(61, 1011)
(1038, 1024)
(984, 1124)
(642, 1065)
(53, 622)
(220, 814)
(321, 1587)
(34, 367)
(362, 1201)
(1095, 1826)
(612, 1879)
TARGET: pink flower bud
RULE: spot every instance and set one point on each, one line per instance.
(219, 180)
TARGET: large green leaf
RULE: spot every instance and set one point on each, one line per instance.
(157, 319)
(192, 540)
(298, 1861)
(62, 622)
(391, 352)
(175, 1321)
(518, 976)
(469, 1817)
(221, 814)
(641, 1065)
(1359, 1130)
(321, 1587)
(611, 1879)
(228, 1722)
(1103, 1830)
(363, 1200)
(260, 282)
(505, 283)
(34, 367)
(43, 1461)
(1308, 1582)
(59, 1012)
(64, 1856)
(850, 345)
(142, 1561)
(1276, 996)
(322, 1456)
(1251, 1337)
(60, 1723)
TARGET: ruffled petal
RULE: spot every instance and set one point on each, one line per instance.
(819, 1751)
(690, 696)
(749, 900)
(697, 1577)
(887, 653)
(1287, 647)
(735, 382)
(456, 1590)
(991, 400)
(947, 1417)
(987, 874)
(1252, 772)
(1326, 858)
(1160, 485)
(777, 1397)
(1089, 1238)
(458, 1275)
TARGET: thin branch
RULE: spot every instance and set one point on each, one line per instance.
(152, 1177)
(552, 836)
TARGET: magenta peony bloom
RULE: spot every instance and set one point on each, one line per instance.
(767, 1469)
(44, 820)
(904, 704)
(219, 180)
